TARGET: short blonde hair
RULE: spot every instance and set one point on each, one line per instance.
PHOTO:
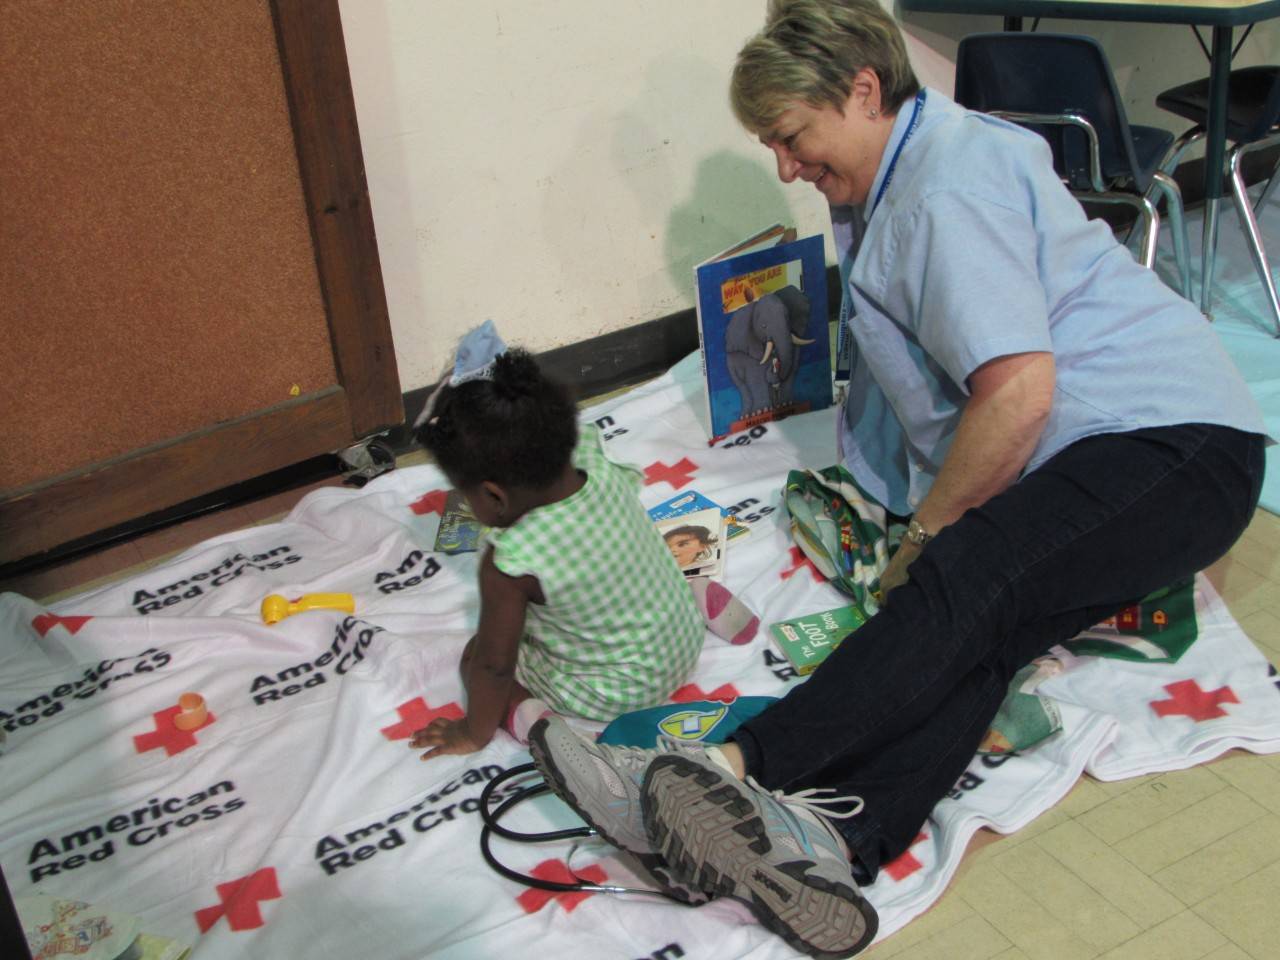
(809, 51)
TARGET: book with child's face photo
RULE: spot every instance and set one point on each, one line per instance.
(696, 540)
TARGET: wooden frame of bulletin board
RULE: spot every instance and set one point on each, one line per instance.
(285, 67)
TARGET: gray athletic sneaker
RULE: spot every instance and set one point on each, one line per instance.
(602, 784)
(777, 854)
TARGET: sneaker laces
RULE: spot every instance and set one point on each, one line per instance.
(632, 759)
(809, 799)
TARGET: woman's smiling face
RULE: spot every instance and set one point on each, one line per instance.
(838, 152)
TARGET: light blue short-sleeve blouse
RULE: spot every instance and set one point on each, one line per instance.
(976, 251)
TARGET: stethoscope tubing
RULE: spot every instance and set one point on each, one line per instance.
(491, 826)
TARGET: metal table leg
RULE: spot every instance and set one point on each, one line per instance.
(1214, 155)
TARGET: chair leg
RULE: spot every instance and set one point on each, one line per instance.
(1150, 231)
(1173, 203)
(1207, 257)
(1267, 190)
(1239, 193)
(1147, 210)
(1179, 147)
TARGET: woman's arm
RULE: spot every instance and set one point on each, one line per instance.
(1009, 402)
(489, 677)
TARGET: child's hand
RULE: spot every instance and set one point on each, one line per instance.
(444, 737)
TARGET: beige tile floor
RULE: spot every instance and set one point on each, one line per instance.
(1177, 866)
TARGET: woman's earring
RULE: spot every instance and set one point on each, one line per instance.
(874, 113)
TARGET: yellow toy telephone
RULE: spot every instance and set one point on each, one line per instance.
(275, 607)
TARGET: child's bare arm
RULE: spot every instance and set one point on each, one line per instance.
(490, 677)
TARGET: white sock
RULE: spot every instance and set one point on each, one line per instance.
(716, 756)
(525, 715)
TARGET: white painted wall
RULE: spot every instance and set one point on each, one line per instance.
(560, 166)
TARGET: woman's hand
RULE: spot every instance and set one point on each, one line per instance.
(895, 574)
(444, 737)
(1010, 399)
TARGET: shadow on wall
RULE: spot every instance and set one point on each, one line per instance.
(686, 205)
(733, 193)
(717, 215)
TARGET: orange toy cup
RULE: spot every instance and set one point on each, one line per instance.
(192, 712)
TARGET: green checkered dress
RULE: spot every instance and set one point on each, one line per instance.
(620, 629)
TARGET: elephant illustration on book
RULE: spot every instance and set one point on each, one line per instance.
(762, 347)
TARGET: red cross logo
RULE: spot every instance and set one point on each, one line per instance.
(558, 872)
(432, 502)
(47, 621)
(1188, 700)
(678, 474)
(799, 560)
(416, 714)
(167, 735)
(240, 901)
(906, 864)
(691, 693)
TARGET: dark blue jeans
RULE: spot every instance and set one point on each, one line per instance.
(896, 714)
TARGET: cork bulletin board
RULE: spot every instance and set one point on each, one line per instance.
(186, 248)
(157, 268)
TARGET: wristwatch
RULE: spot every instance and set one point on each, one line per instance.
(917, 534)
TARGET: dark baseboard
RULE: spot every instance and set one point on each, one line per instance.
(591, 368)
(595, 367)
(278, 481)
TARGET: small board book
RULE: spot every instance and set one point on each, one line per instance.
(763, 330)
(57, 928)
(692, 500)
(460, 531)
(806, 641)
(697, 540)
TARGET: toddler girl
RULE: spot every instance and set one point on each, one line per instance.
(583, 610)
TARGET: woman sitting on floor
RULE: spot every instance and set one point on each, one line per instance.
(1066, 433)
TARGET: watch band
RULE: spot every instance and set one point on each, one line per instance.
(917, 534)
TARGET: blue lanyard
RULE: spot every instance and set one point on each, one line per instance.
(844, 345)
(893, 162)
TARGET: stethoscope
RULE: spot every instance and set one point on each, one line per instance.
(492, 826)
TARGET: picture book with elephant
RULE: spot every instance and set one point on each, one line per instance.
(762, 327)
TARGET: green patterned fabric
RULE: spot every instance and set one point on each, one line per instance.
(1158, 629)
(620, 630)
(841, 530)
(847, 536)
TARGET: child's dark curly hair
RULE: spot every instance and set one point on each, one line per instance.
(518, 429)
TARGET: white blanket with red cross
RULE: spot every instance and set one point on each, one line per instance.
(295, 821)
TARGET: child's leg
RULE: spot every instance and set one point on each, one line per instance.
(727, 616)
(523, 711)
(523, 708)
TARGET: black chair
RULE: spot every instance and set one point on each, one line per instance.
(1062, 87)
(1253, 123)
